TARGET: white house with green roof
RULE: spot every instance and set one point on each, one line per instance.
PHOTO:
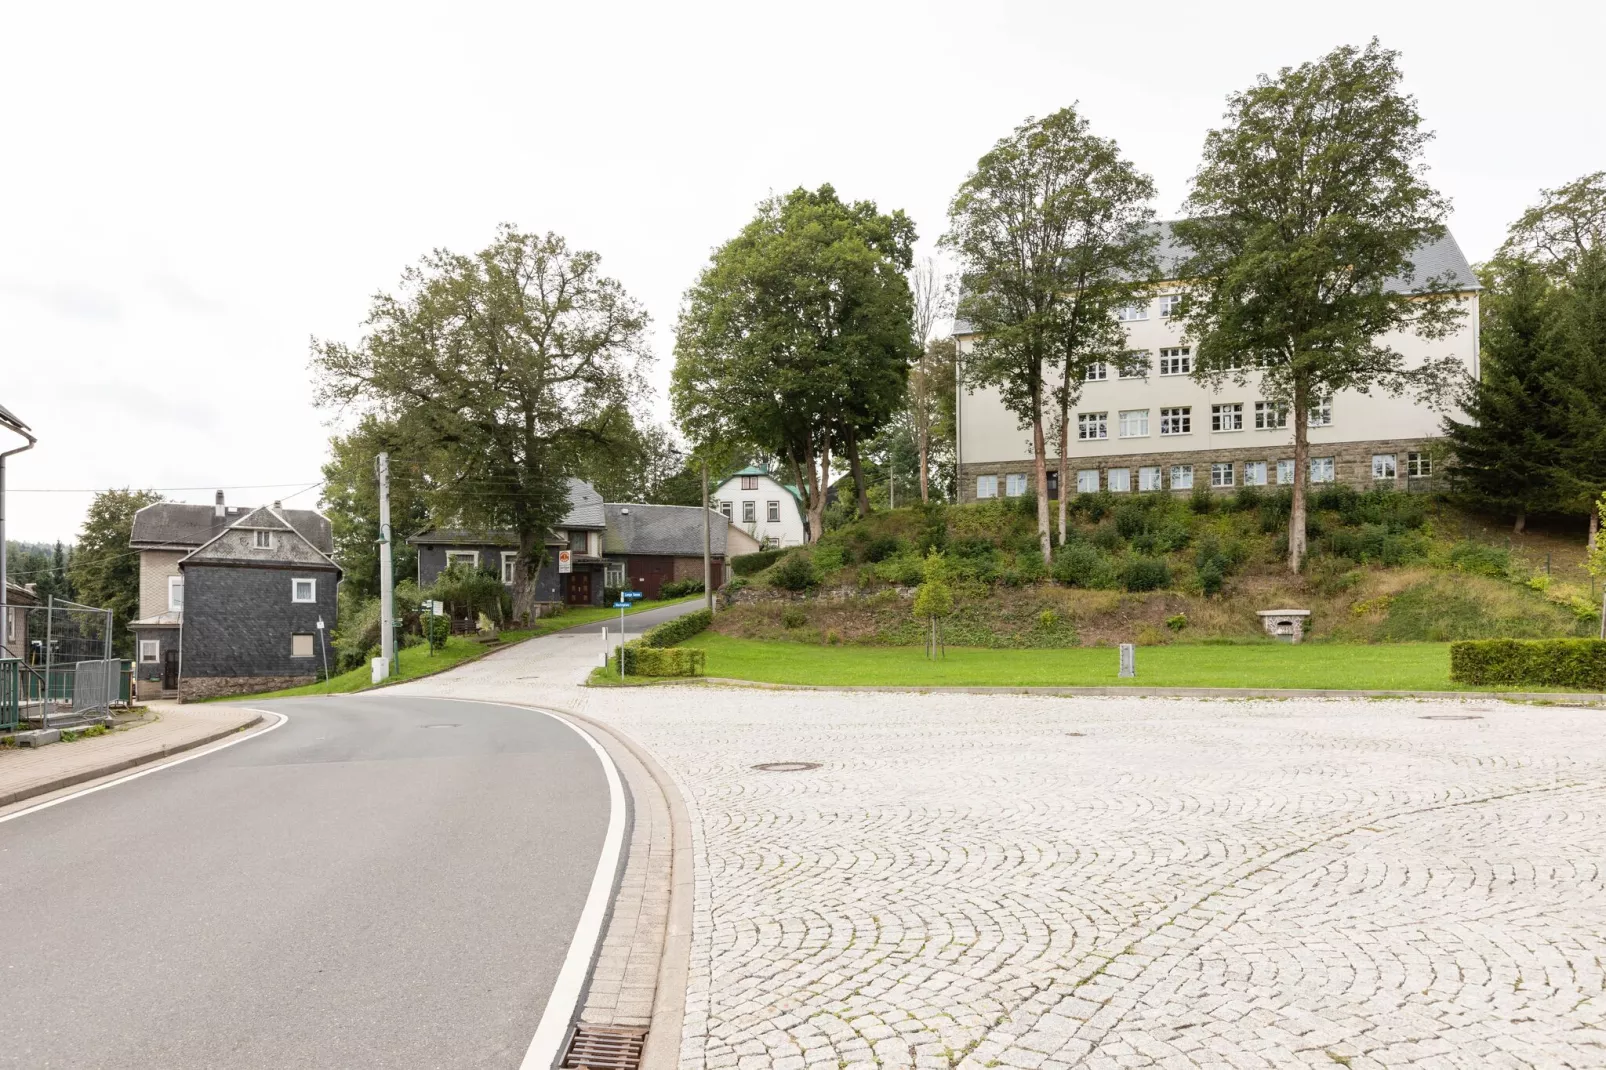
(761, 505)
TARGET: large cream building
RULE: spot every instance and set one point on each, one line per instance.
(1166, 430)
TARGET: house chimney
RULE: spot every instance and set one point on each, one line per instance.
(277, 506)
(217, 510)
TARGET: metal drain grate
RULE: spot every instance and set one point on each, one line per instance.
(598, 1047)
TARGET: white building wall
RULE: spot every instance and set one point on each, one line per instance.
(787, 531)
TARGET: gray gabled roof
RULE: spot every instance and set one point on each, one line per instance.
(179, 524)
(675, 530)
(1433, 260)
(585, 514)
(585, 507)
(290, 547)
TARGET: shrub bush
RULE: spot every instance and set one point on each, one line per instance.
(610, 595)
(1107, 539)
(1202, 501)
(1248, 499)
(1095, 505)
(903, 569)
(676, 589)
(440, 630)
(1575, 663)
(793, 617)
(677, 630)
(882, 547)
(642, 660)
(794, 572)
(1480, 560)
(1146, 574)
(1080, 564)
(829, 558)
(747, 564)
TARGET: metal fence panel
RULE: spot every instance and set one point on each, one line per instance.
(10, 694)
(95, 685)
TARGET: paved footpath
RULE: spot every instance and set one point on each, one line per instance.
(1042, 883)
(29, 771)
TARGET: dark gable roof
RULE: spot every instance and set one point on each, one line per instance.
(181, 524)
(1431, 261)
(675, 530)
(585, 514)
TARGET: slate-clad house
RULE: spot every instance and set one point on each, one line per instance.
(647, 545)
(230, 598)
(579, 533)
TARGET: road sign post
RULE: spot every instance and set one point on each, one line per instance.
(626, 598)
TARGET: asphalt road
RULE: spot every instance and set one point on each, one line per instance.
(636, 623)
(381, 882)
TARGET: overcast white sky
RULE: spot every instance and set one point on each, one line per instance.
(188, 193)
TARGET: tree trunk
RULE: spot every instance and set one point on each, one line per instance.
(1296, 515)
(524, 576)
(816, 487)
(1065, 463)
(858, 472)
(1521, 524)
(925, 445)
(1594, 526)
(1040, 467)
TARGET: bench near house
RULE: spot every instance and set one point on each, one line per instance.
(230, 598)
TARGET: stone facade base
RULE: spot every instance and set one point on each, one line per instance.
(1352, 464)
(191, 688)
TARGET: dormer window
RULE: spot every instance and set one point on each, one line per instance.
(262, 540)
(749, 482)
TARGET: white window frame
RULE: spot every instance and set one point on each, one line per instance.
(749, 512)
(471, 558)
(1222, 474)
(312, 645)
(749, 483)
(1138, 310)
(1092, 425)
(1150, 477)
(1229, 413)
(1118, 480)
(1177, 420)
(261, 539)
(1169, 303)
(1385, 466)
(510, 559)
(175, 584)
(1254, 473)
(1321, 413)
(1323, 470)
(150, 651)
(986, 487)
(613, 574)
(1131, 355)
(295, 590)
(772, 512)
(1134, 423)
(1419, 465)
(1182, 477)
(1087, 481)
(1097, 372)
(1270, 416)
(725, 510)
(1285, 472)
(1176, 360)
(1014, 485)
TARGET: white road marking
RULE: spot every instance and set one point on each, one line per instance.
(156, 767)
(564, 1001)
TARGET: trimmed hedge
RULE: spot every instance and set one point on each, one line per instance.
(680, 588)
(1576, 663)
(747, 564)
(677, 630)
(642, 660)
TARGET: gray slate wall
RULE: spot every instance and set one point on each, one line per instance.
(238, 620)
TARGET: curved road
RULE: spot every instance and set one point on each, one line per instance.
(636, 623)
(380, 882)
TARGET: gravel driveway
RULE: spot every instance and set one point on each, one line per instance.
(1052, 882)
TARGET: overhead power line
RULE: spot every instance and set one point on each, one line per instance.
(98, 490)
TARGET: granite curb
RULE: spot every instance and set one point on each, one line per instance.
(1172, 692)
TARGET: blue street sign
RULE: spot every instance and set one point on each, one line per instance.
(632, 595)
(621, 605)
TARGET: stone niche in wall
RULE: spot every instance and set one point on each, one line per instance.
(1286, 625)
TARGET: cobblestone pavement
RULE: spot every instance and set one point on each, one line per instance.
(1042, 883)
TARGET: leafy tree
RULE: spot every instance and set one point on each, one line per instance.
(934, 600)
(46, 567)
(1050, 231)
(1308, 202)
(795, 340)
(1508, 452)
(498, 373)
(350, 498)
(932, 375)
(104, 571)
(1568, 221)
(1580, 339)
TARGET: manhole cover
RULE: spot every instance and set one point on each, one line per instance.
(442, 726)
(786, 767)
(1451, 717)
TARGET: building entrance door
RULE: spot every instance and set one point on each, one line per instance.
(579, 589)
(170, 671)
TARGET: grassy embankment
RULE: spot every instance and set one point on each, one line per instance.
(415, 662)
(1316, 666)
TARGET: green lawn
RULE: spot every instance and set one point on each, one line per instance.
(1401, 666)
(416, 661)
